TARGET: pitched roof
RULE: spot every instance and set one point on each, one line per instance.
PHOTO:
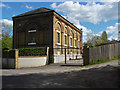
(42, 10)
(36, 11)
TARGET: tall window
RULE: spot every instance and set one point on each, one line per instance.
(78, 44)
(70, 41)
(65, 39)
(58, 37)
(75, 43)
(32, 34)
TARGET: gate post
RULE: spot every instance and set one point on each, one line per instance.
(16, 58)
(86, 55)
(47, 55)
(65, 55)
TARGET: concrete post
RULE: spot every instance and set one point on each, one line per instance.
(47, 56)
(16, 58)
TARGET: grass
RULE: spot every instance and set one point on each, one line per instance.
(103, 61)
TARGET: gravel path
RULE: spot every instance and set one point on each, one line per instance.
(105, 75)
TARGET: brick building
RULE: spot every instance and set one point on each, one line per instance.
(44, 27)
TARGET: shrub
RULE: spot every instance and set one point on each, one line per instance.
(37, 51)
(52, 59)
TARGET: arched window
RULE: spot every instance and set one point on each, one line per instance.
(58, 33)
(71, 38)
(32, 36)
(65, 36)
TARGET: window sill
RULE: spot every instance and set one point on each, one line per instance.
(31, 43)
(58, 44)
(65, 44)
(75, 47)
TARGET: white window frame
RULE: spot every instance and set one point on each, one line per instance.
(65, 43)
(70, 41)
(58, 43)
(32, 31)
(31, 43)
(75, 42)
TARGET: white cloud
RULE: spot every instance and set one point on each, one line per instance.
(91, 12)
(28, 7)
(53, 5)
(3, 5)
(110, 0)
(112, 31)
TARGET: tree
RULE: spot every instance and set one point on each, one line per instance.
(93, 40)
(6, 40)
(6, 28)
(104, 37)
(96, 40)
(88, 43)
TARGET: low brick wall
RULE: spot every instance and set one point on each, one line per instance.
(31, 61)
(12, 60)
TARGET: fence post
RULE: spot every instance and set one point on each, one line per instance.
(7, 59)
(16, 58)
(65, 55)
(86, 55)
(47, 56)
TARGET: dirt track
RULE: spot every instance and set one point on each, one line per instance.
(105, 75)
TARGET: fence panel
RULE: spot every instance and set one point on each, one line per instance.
(95, 54)
(8, 59)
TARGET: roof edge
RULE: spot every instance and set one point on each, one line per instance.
(68, 21)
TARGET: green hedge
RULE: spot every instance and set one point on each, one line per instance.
(37, 51)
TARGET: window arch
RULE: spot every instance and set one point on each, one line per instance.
(71, 38)
(31, 34)
(65, 35)
(58, 33)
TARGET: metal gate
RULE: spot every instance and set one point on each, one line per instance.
(68, 56)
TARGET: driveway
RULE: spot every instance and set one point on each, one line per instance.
(64, 76)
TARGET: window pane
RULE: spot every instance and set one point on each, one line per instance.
(32, 37)
(65, 40)
(58, 37)
(71, 41)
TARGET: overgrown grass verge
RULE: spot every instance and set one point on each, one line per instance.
(103, 61)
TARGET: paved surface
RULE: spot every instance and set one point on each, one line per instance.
(52, 68)
(67, 76)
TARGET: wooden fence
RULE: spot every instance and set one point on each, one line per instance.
(98, 53)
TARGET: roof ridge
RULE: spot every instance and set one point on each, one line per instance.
(28, 12)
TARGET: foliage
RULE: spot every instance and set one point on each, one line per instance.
(6, 40)
(104, 37)
(52, 59)
(104, 61)
(88, 43)
(37, 51)
(94, 40)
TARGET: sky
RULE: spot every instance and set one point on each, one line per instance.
(93, 17)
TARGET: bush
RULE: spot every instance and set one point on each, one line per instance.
(37, 51)
(52, 59)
